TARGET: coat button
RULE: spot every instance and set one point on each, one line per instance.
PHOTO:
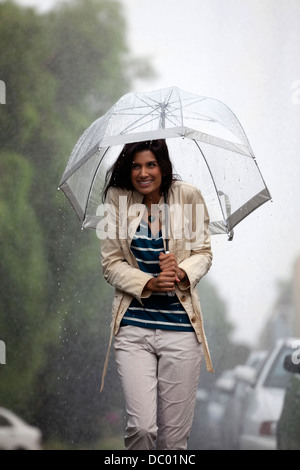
(193, 320)
(183, 298)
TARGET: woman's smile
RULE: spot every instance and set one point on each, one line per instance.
(145, 182)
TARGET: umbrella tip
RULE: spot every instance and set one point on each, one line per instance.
(230, 235)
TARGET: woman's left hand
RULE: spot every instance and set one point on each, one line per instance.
(168, 263)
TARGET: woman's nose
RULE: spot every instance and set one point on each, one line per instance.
(143, 171)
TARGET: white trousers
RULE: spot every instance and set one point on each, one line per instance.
(159, 372)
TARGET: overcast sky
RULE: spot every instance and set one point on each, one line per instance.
(246, 54)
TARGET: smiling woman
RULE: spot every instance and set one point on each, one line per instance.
(146, 176)
(159, 338)
(125, 172)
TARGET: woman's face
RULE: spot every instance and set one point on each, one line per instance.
(146, 175)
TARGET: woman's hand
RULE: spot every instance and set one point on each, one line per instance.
(164, 282)
(168, 263)
(170, 274)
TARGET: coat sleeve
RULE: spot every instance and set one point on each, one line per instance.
(200, 259)
(116, 269)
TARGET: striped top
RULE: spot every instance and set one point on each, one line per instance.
(159, 311)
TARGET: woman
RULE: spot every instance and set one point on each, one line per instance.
(157, 321)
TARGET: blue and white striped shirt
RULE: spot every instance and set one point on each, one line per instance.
(159, 311)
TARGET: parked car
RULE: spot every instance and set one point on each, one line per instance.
(218, 413)
(233, 415)
(15, 434)
(264, 399)
(209, 410)
(215, 409)
(198, 437)
(221, 395)
(288, 431)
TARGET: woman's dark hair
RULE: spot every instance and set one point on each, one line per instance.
(119, 175)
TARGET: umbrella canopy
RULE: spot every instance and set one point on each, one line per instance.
(207, 144)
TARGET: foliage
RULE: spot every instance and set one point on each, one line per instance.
(24, 324)
(62, 70)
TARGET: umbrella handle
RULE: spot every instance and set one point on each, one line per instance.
(170, 294)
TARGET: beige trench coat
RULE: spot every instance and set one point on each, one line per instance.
(194, 256)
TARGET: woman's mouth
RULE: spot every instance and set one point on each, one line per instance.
(145, 184)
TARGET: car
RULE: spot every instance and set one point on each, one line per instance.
(209, 410)
(215, 408)
(220, 397)
(232, 419)
(288, 430)
(218, 411)
(15, 434)
(264, 399)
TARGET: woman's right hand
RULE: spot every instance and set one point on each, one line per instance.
(164, 282)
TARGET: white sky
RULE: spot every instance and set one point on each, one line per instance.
(244, 53)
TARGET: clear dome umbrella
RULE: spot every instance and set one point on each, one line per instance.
(207, 144)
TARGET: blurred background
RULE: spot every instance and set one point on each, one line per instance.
(63, 65)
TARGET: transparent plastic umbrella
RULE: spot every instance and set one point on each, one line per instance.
(207, 144)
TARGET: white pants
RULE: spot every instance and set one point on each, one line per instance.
(159, 371)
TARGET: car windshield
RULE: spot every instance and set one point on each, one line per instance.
(278, 377)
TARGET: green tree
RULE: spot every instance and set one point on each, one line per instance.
(24, 325)
(61, 69)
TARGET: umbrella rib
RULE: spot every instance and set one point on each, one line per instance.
(202, 118)
(149, 98)
(116, 113)
(170, 120)
(138, 121)
(136, 127)
(154, 108)
(214, 183)
(180, 108)
(171, 112)
(151, 105)
(133, 114)
(194, 102)
(92, 184)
